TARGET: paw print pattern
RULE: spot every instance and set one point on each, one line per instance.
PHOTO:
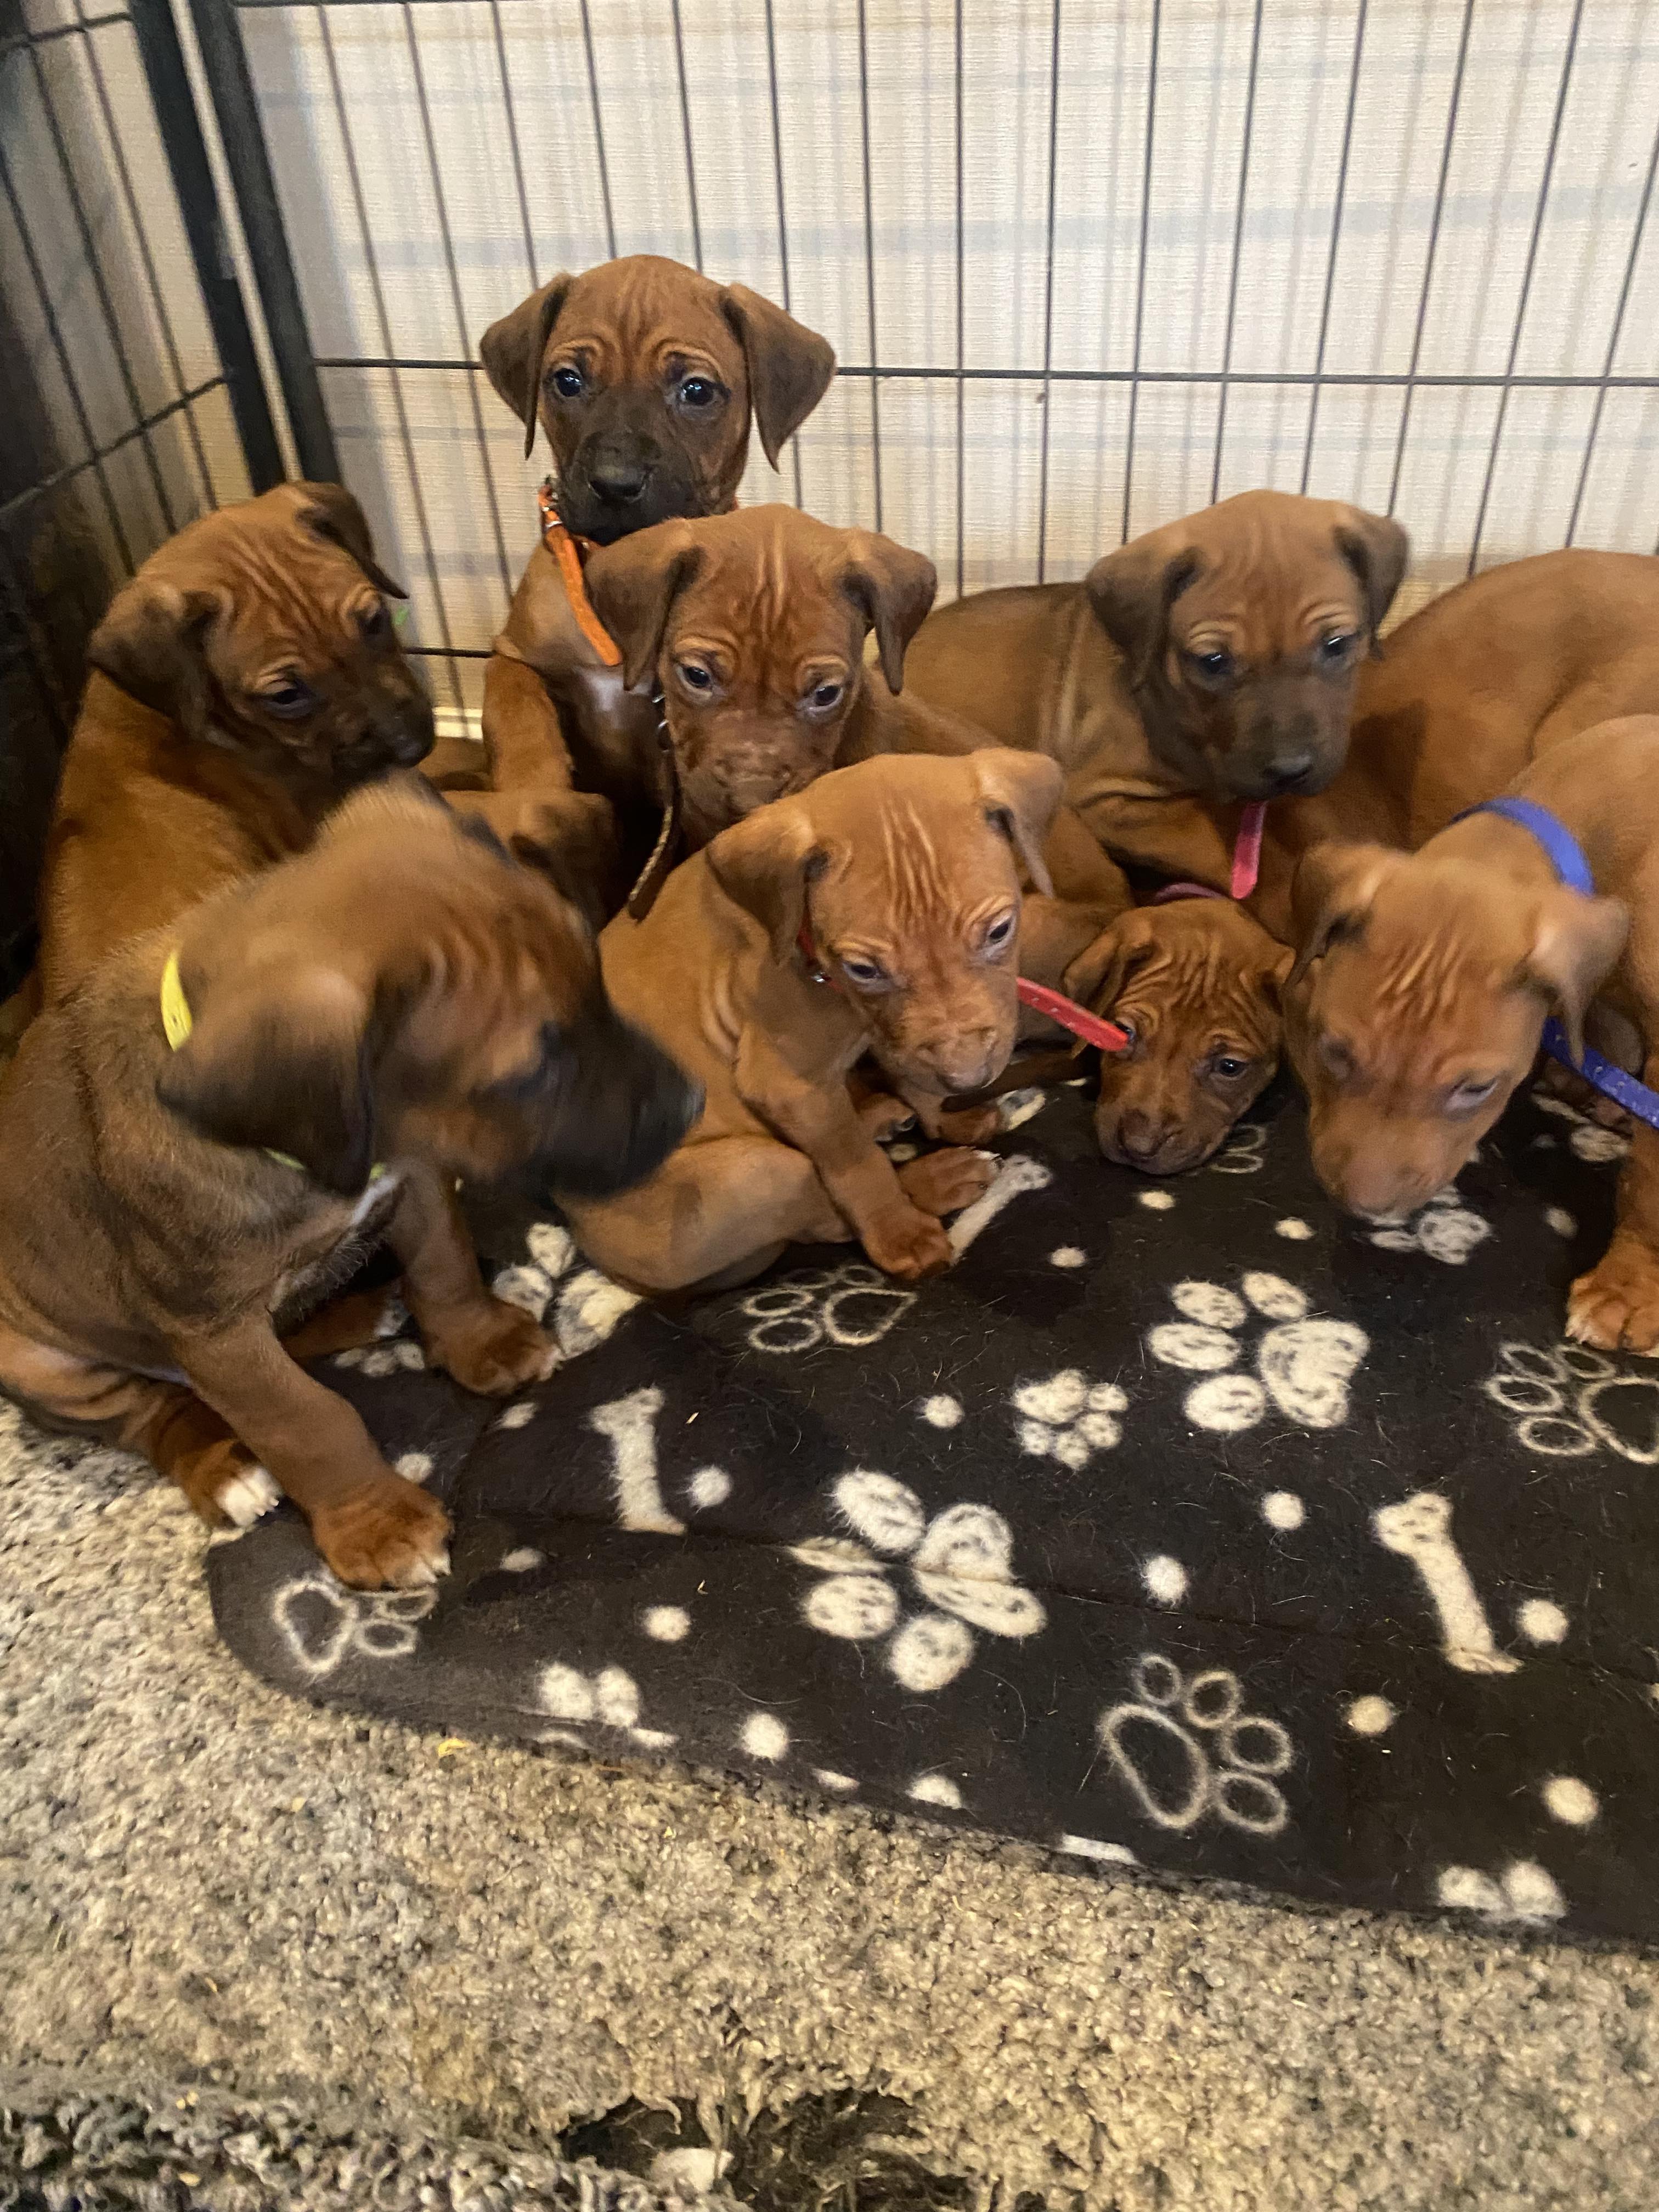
(1570, 1401)
(1524, 1891)
(1067, 1418)
(394, 1354)
(961, 1562)
(1245, 1152)
(1302, 1366)
(320, 1622)
(586, 1305)
(851, 1305)
(1587, 1140)
(1187, 1749)
(610, 1697)
(1446, 1230)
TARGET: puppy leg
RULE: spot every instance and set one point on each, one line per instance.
(1616, 1305)
(1082, 874)
(361, 1317)
(722, 1210)
(487, 1344)
(523, 743)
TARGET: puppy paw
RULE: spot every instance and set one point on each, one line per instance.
(493, 1349)
(225, 1485)
(908, 1246)
(387, 1535)
(944, 1183)
(1616, 1306)
(966, 1125)
(881, 1117)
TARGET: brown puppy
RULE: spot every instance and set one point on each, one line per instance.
(1424, 981)
(400, 1006)
(1216, 655)
(1197, 986)
(242, 683)
(644, 376)
(880, 907)
(753, 627)
(1467, 691)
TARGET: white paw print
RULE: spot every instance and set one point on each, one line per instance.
(961, 1561)
(589, 1305)
(320, 1621)
(610, 1697)
(1069, 1419)
(1187, 1747)
(1302, 1366)
(1245, 1152)
(1571, 1400)
(851, 1305)
(1586, 1139)
(1524, 1891)
(1446, 1230)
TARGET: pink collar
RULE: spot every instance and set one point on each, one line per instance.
(1037, 996)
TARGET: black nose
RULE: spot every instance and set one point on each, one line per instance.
(1288, 773)
(620, 481)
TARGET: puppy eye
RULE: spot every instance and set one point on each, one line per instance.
(867, 974)
(1228, 1065)
(1337, 645)
(1131, 1034)
(376, 622)
(1214, 667)
(569, 383)
(699, 391)
(999, 935)
(1467, 1096)
(291, 698)
(825, 697)
(694, 677)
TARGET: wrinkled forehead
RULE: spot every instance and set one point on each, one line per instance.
(636, 320)
(286, 591)
(1275, 584)
(1191, 964)
(913, 859)
(770, 587)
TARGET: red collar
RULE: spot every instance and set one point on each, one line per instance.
(1037, 996)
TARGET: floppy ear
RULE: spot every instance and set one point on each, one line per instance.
(893, 589)
(1101, 970)
(765, 863)
(1577, 943)
(1020, 793)
(1376, 549)
(1131, 592)
(1276, 978)
(150, 643)
(633, 586)
(1331, 894)
(285, 1072)
(329, 512)
(789, 365)
(512, 350)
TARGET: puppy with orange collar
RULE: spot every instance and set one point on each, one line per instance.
(1425, 981)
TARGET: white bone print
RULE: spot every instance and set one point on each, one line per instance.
(1420, 1529)
(1019, 1172)
(628, 1425)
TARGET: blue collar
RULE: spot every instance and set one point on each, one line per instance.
(1565, 855)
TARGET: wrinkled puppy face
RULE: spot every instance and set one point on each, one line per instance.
(1242, 628)
(407, 989)
(1197, 987)
(1416, 1009)
(643, 375)
(903, 874)
(754, 626)
(263, 629)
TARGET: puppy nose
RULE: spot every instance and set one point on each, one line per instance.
(1288, 773)
(619, 481)
(1142, 1136)
(410, 744)
(966, 1060)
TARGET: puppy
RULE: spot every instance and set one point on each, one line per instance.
(355, 1029)
(644, 375)
(1424, 981)
(1197, 987)
(880, 906)
(243, 682)
(1217, 655)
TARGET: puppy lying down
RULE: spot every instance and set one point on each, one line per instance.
(878, 908)
(202, 1141)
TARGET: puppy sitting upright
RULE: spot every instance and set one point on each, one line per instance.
(202, 1142)
(880, 907)
(1426, 979)
(245, 681)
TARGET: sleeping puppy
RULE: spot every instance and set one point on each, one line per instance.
(878, 908)
(242, 683)
(1196, 986)
(206, 1139)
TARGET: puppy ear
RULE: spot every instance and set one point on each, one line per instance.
(284, 1071)
(789, 365)
(1376, 549)
(1577, 943)
(512, 350)
(633, 586)
(765, 864)
(1020, 793)
(1275, 977)
(329, 512)
(151, 642)
(892, 589)
(1101, 970)
(1131, 592)
(1332, 893)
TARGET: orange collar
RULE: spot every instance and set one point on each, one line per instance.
(571, 553)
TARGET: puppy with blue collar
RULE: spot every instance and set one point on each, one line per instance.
(1426, 982)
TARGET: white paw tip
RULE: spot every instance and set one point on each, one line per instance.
(943, 1412)
(764, 1736)
(709, 1485)
(936, 1790)
(1164, 1579)
(1068, 1255)
(1540, 1621)
(1371, 1715)
(1567, 1798)
(246, 1497)
(1156, 1201)
(666, 1624)
(1283, 1509)
(1295, 1228)
(521, 1560)
(1091, 1847)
